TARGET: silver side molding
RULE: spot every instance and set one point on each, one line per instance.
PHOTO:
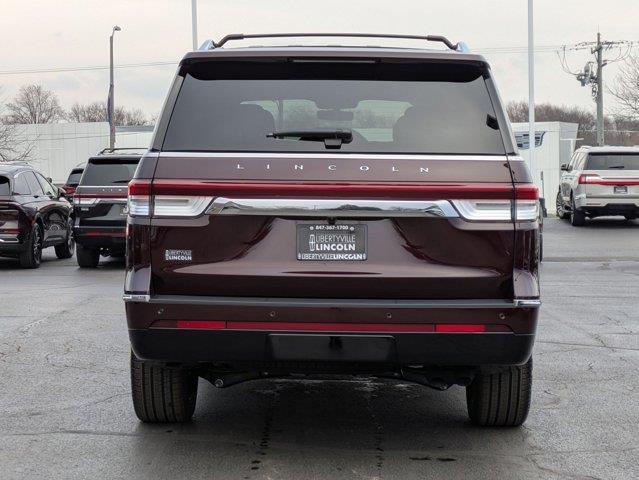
(527, 303)
(139, 298)
(290, 207)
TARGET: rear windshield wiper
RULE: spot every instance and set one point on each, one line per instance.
(331, 138)
(618, 167)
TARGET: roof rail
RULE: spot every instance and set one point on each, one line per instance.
(210, 45)
(114, 150)
(16, 163)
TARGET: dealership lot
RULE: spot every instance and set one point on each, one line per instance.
(65, 408)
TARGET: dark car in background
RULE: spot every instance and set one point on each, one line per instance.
(73, 180)
(333, 210)
(100, 201)
(34, 214)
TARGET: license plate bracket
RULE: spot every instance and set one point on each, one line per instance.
(621, 190)
(332, 243)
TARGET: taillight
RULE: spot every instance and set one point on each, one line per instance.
(139, 198)
(525, 206)
(591, 178)
(84, 201)
(147, 200)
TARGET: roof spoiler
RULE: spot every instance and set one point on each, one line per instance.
(108, 150)
(211, 45)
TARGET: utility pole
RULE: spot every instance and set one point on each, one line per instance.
(598, 51)
(531, 90)
(111, 99)
(592, 73)
(194, 23)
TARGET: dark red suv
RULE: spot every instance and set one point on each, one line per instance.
(34, 214)
(333, 210)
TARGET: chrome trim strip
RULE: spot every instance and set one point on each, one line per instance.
(527, 303)
(326, 156)
(285, 207)
(338, 302)
(9, 239)
(134, 297)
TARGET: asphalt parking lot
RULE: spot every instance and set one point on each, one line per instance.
(65, 408)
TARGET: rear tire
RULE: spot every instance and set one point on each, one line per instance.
(577, 217)
(561, 209)
(161, 394)
(87, 257)
(66, 249)
(32, 256)
(501, 399)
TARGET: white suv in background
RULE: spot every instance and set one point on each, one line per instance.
(599, 181)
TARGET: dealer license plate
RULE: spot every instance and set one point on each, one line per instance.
(323, 242)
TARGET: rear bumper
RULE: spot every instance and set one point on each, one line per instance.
(607, 203)
(325, 330)
(12, 244)
(192, 347)
(105, 237)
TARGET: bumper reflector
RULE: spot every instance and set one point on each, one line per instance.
(329, 327)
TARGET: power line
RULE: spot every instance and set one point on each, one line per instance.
(83, 68)
(87, 68)
(592, 73)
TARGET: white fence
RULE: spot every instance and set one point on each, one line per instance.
(58, 147)
(555, 145)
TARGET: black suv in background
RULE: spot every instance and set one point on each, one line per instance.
(100, 205)
(34, 214)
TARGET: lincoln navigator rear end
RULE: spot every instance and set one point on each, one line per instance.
(332, 210)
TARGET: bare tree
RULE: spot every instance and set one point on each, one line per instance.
(12, 145)
(626, 87)
(34, 104)
(91, 112)
(547, 112)
(620, 129)
(96, 112)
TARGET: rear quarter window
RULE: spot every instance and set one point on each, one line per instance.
(5, 187)
(100, 172)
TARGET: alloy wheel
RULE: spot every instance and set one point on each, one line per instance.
(37, 245)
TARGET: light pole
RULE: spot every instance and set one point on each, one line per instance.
(111, 100)
(194, 23)
(531, 92)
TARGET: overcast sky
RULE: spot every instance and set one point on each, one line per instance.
(48, 34)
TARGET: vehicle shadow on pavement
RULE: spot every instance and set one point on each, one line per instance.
(50, 261)
(611, 223)
(330, 429)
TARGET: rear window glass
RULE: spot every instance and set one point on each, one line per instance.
(74, 177)
(613, 162)
(423, 108)
(109, 172)
(5, 188)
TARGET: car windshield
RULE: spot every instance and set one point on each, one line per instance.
(109, 172)
(4, 186)
(628, 161)
(418, 109)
